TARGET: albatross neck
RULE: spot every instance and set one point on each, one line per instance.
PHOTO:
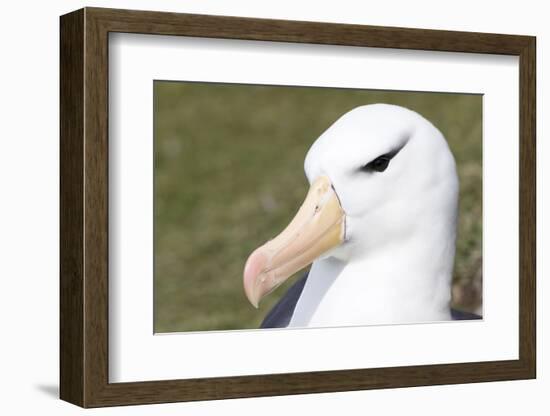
(400, 283)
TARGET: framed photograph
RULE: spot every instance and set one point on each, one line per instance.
(254, 207)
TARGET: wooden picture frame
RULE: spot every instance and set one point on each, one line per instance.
(84, 207)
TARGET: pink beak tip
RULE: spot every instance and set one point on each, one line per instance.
(254, 266)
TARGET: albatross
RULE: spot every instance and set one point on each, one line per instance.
(378, 227)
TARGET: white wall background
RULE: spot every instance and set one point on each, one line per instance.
(29, 85)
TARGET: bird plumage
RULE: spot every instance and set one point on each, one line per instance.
(395, 179)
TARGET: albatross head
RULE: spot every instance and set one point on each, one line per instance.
(380, 175)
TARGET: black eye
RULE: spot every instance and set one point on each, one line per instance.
(378, 165)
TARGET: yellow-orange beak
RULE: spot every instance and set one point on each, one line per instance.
(318, 226)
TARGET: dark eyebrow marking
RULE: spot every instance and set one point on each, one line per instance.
(392, 153)
(387, 157)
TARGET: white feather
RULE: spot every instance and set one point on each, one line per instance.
(396, 264)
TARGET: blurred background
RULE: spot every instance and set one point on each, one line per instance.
(229, 176)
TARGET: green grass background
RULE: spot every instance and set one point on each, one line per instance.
(229, 175)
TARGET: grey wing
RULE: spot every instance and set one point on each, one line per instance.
(463, 316)
(279, 316)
